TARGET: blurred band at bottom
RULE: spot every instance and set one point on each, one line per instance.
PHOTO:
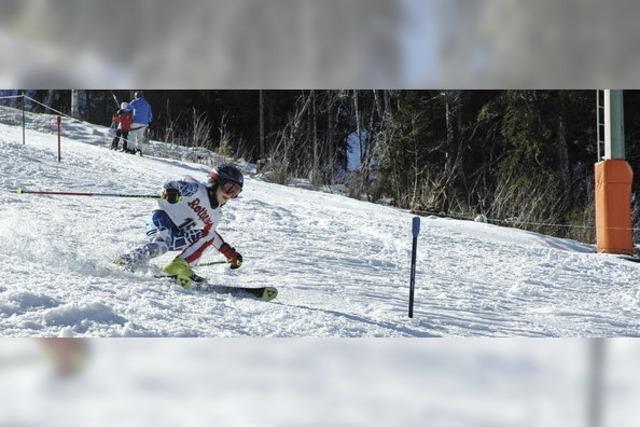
(318, 382)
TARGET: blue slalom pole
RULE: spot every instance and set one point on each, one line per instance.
(415, 229)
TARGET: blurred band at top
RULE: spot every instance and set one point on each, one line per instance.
(293, 44)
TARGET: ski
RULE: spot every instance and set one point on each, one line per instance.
(629, 258)
(266, 293)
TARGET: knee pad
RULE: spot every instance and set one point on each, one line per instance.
(161, 225)
(185, 239)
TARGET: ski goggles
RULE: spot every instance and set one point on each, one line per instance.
(231, 189)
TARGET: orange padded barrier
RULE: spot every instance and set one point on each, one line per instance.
(613, 207)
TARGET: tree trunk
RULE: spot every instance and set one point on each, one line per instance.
(261, 113)
(75, 103)
(386, 94)
(79, 101)
(563, 157)
(357, 113)
(379, 107)
(452, 117)
(330, 144)
(453, 147)
(316, 160)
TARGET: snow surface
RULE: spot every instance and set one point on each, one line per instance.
(341, 265)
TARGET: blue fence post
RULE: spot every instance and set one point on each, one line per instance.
(415, 230)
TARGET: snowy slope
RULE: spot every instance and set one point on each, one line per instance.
(341, 265)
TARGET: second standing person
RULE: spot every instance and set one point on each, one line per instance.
(122, 119)
(142, 117)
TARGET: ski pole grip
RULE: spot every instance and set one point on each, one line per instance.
(416, 226)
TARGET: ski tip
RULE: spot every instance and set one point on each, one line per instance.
(269, 294)
(629, 258)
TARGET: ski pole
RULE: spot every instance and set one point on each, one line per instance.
(115, 99)
(66, 193)
(415, 231)
(204, 264)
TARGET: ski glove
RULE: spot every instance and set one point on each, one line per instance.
(233, 257)
(171, 195)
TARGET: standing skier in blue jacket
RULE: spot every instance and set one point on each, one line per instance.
(142, 117)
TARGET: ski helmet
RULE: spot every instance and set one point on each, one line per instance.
(124, 105)
(228, 177)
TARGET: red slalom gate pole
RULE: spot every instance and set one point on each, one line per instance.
(59, 120)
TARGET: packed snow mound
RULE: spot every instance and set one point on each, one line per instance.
(341, 265)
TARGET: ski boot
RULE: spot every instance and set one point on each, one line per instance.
(124, 262)
(182, 273)
(137, 258)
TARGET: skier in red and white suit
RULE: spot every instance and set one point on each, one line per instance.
(186, 219)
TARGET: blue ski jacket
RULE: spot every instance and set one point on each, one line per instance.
(141, 111)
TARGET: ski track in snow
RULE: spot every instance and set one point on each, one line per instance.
(341, 265)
